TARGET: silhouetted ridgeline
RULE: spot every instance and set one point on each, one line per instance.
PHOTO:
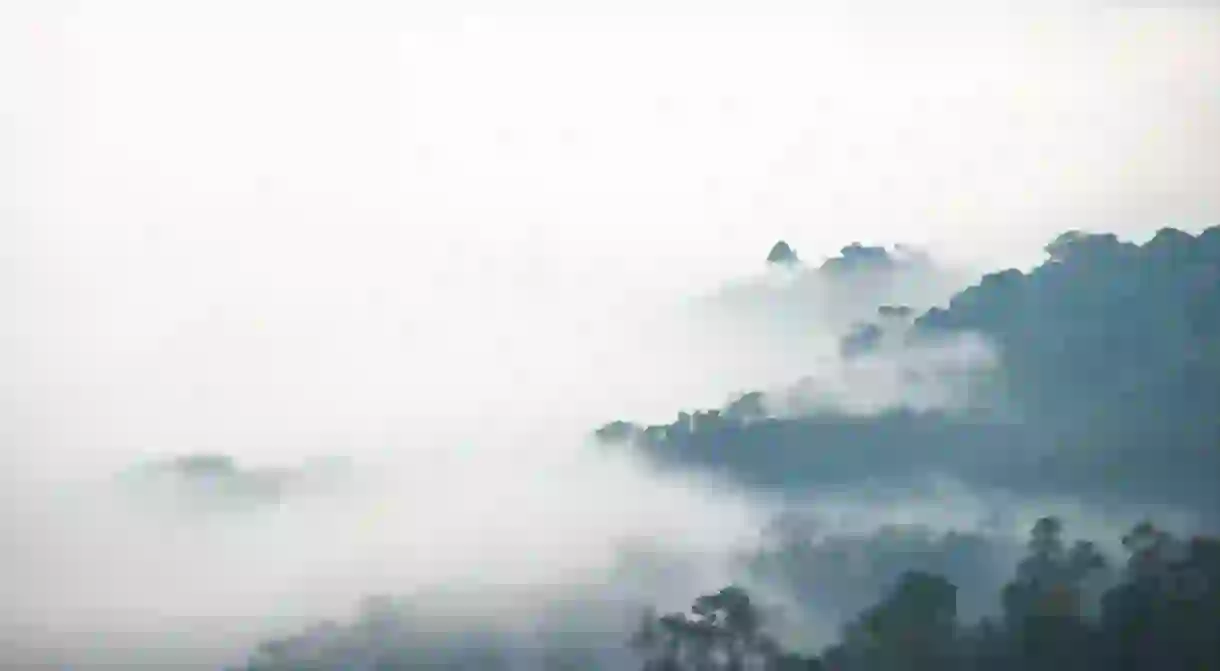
(1109, 381)
(1062, 609)
(839, 290)
(1107, 389)
(1164, 614)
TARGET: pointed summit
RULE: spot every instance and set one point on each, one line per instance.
(782, 254)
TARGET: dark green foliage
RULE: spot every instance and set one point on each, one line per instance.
(912, 628)
(782, 254)
(859, 258)
(1110, 361)
(1164, 615)
(722, 632)
(1108, 385)
(831, 449)
(841, 574)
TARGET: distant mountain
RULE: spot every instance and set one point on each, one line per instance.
(1108, 384)
(200, 482)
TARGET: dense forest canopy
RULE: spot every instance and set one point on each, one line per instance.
(1106, 388)
(1066, 606)
(1107, 383)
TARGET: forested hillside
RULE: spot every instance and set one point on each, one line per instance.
(1068, 606)
(1106, 388)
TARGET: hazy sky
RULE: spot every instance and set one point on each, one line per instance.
(303, 192)
(289, 227)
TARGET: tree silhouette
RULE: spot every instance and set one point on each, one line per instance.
(782, 254)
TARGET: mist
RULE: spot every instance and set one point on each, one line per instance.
(445, 245)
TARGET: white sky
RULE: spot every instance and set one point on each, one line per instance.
(207, 208)
(222, 219)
